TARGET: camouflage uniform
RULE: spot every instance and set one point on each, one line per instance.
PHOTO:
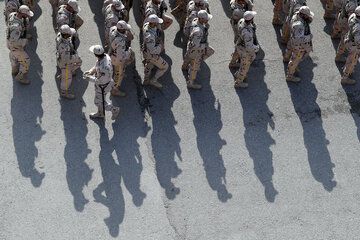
(352, 41)
(112, 16)
(192, 11)
(198, 50)
(68, 61)
(247, 47)
(237, 13)
(121, 56)
(294, 6)
(151, 50)
(301, 41)
(277, 8)
(66, 17)
(16, 43)
(179, 12)
(157, 9)
(346, 12)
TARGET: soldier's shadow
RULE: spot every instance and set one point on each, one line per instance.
(76, 151)
(208, 124)
(226, 6)
(304, 96)
(165, 140)
(257, 117)
(113, 197)
(27, 113)
(99, 18)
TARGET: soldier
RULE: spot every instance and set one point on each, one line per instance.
(301, 40)
(179, 12)
(238, 8)
(121, 55)
(247, 46)
(277, 8)
(346, 11)
(193, 7)
(158, 7)
(10, 7)
(68, 14)
(336, 26)
(101, 75)
(352, 42)
(329, 7)
(114, 12)
(294, 6)
(151, 50)
(198, 48)
(67, 59)
(16, 43)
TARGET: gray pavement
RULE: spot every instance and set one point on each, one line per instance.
(275, 161)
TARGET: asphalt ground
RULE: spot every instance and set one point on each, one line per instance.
(275, 161)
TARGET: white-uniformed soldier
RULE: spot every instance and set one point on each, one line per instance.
(101, 74)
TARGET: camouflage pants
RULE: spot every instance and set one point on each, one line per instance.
(298, 55)
(119, 66)
(351, 60)
(154, 61)
(193, 59)
(246, 58)
(67, 70)
(20, 59)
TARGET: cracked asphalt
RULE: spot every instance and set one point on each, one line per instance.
(275, 161)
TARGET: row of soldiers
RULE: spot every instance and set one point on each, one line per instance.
(194, 22)
(17, 17)
(346, 14)
(68, 22)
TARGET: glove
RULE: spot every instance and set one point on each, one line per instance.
(257, 48)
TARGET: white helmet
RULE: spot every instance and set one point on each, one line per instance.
(97, 49)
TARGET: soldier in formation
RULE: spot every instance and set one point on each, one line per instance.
(192, 10)
(67, 59)
(301, 41)
(152, 49)
(120, 53)
(17, 41)
(238, 8)
(198, 48)
(352, 42)
(246, 47)
(114, 12)
(347, 10)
